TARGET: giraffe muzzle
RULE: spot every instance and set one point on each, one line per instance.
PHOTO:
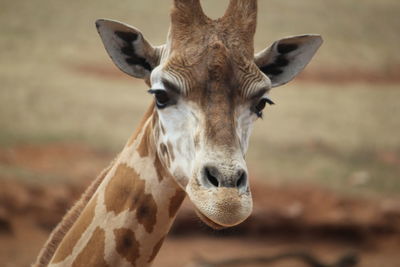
(221, 195)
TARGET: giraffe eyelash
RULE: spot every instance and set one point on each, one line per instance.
(258, 108)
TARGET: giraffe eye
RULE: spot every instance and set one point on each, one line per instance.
(162, 98)
(258, 108)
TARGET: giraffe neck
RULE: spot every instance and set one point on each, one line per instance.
(126, 220)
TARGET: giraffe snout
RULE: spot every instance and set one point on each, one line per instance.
(220, 192)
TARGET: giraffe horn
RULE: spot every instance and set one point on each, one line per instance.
(242, 14)
(187, 13)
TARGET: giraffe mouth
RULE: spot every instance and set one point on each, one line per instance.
(209, 222)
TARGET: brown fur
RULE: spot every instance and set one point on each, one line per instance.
(124, 190)
(176, 202)
(91, 255)
(239, 22)
(187, 19)
(192, 30)
(156, 249)
(146, 213)
(127, 245)
(220, 98)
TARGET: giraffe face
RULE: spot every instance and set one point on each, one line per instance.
(209, 88)
(205, 124)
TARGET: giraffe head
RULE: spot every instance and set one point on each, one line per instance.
(209, 89)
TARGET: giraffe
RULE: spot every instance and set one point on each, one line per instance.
(209, 88)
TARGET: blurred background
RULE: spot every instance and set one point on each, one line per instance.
(324, 162)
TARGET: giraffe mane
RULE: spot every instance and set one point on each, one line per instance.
(68, 220)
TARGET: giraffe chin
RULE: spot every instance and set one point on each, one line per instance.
(222, 207)
(209, 222)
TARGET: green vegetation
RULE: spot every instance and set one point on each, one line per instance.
(336, 135)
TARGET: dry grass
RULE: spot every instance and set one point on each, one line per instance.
(336, 135)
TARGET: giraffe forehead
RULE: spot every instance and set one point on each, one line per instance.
(209, 32)
(215, 69)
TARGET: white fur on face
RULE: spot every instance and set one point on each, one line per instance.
(181, 123)
(245, 121)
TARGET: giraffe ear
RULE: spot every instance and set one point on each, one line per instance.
(286, 58)
(126, 46)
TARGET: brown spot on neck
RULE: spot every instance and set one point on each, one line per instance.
(146, 212)
(126, 245)
(93, 253)
(126, 191)
(71, 239)
(156, 249)
(176, 202)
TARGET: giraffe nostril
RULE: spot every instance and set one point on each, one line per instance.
(211, 178)
(242, 179)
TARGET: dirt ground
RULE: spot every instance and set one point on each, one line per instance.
(38, 184)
